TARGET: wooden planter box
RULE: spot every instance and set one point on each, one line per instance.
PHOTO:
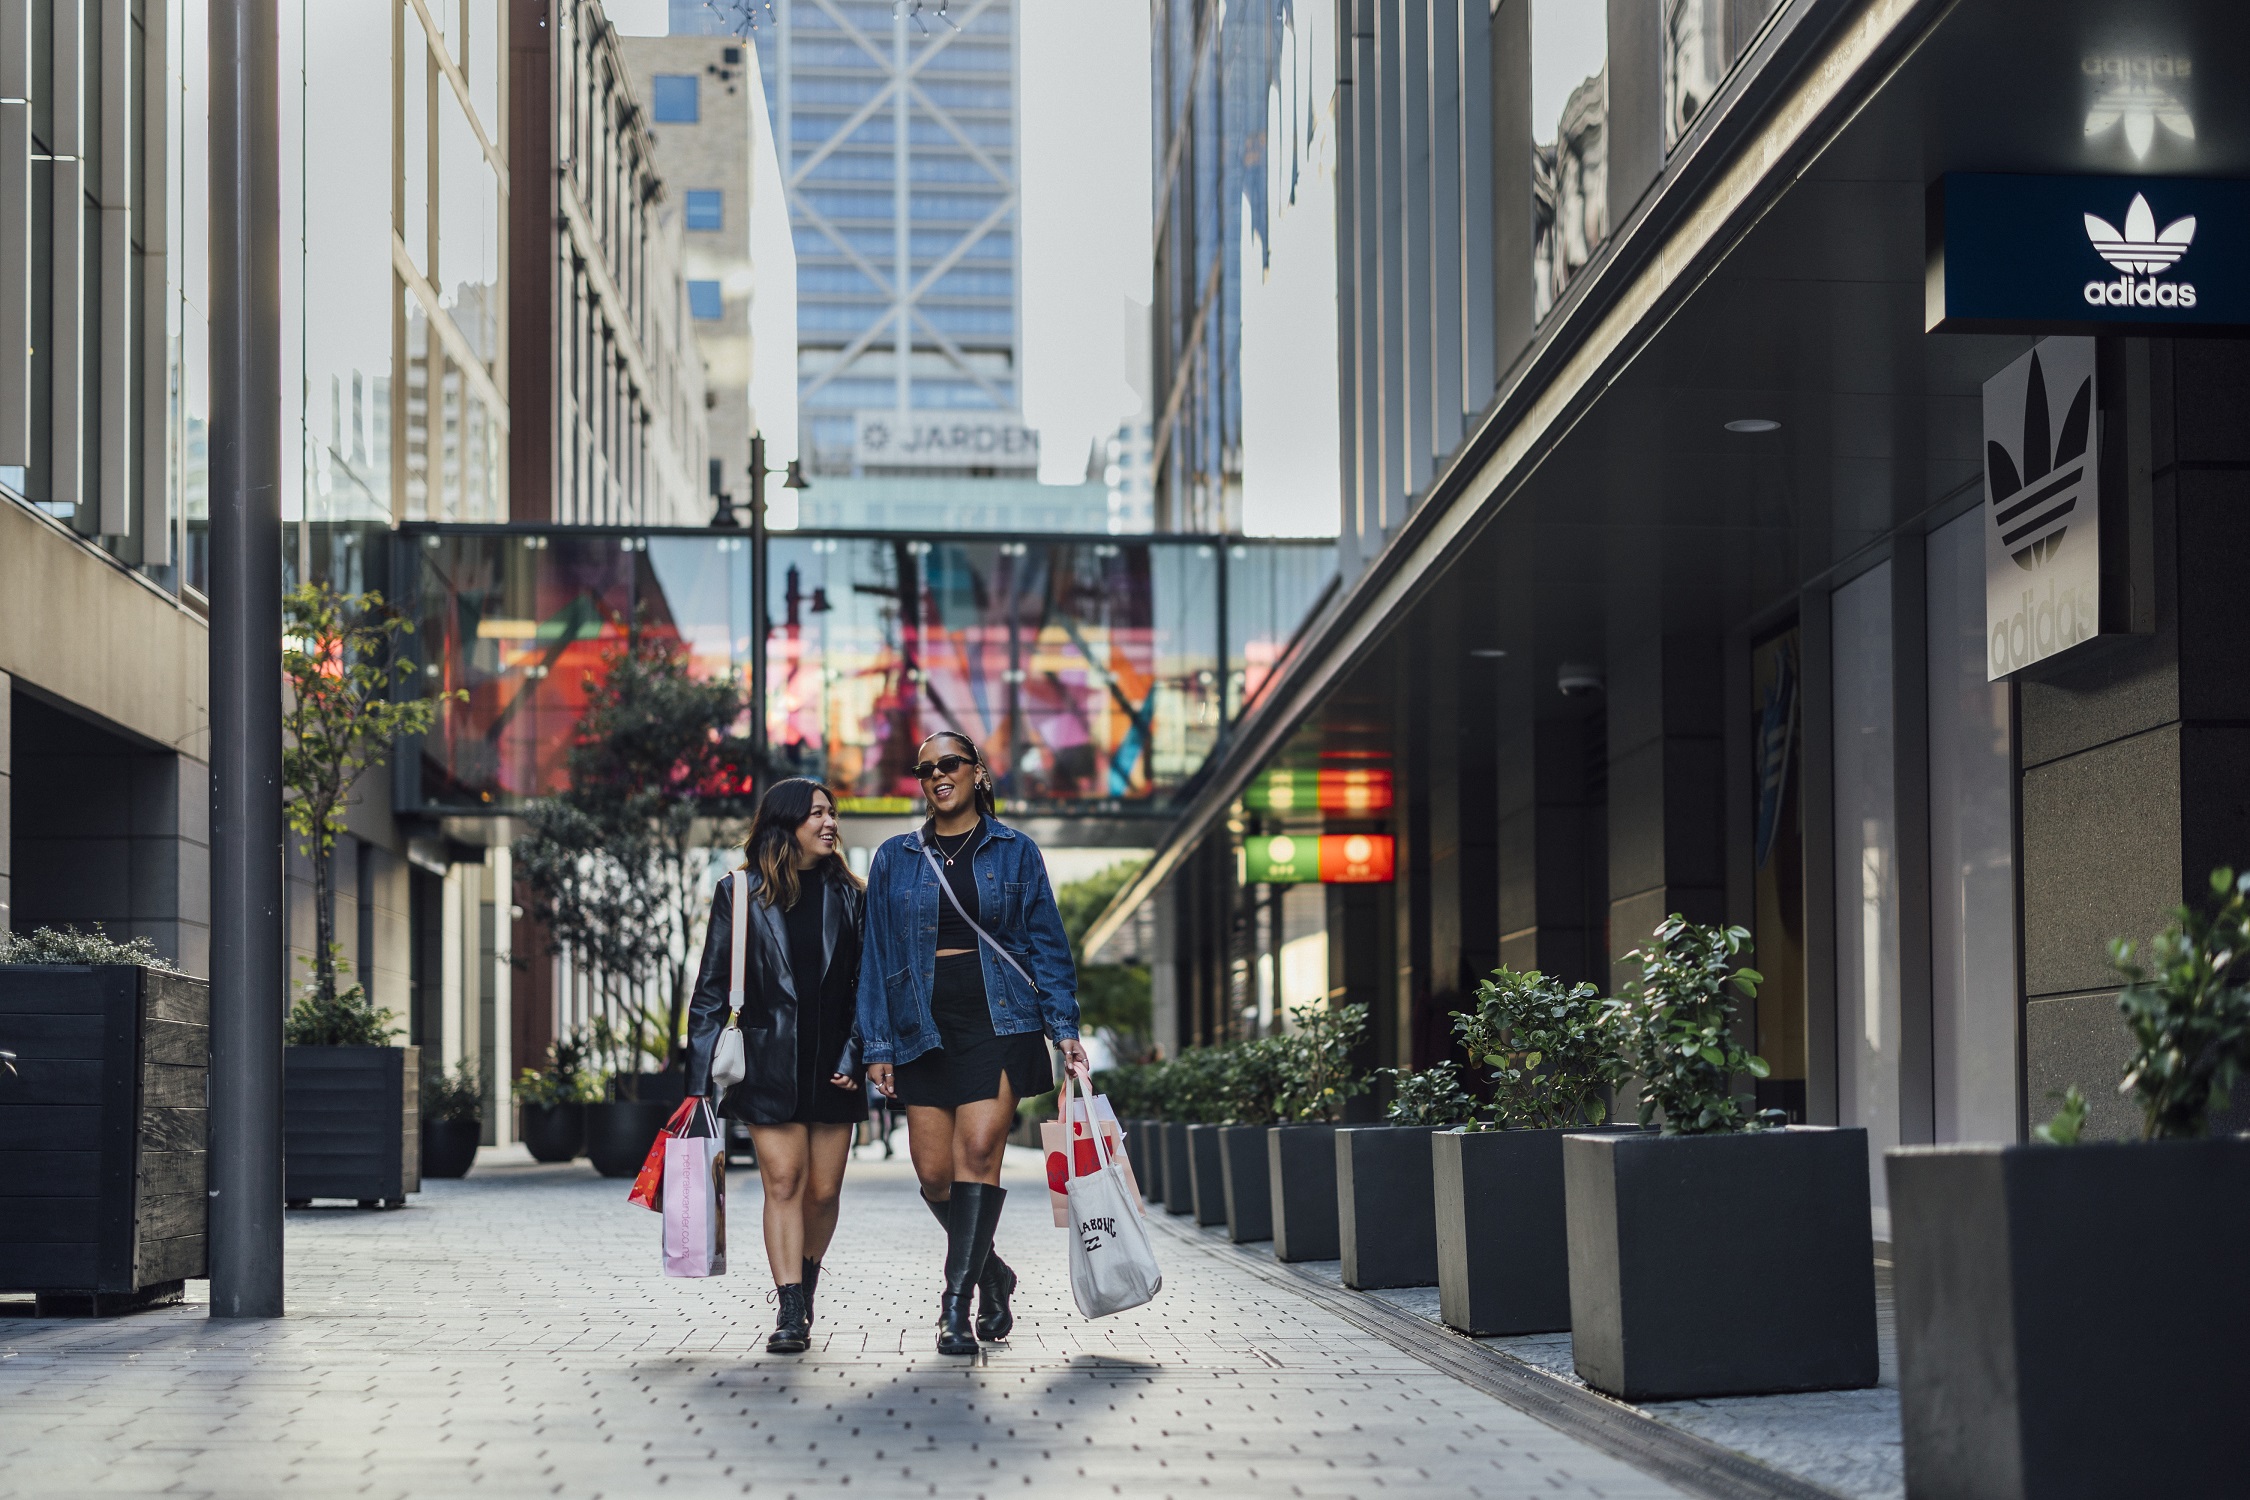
(352, 1124)
(102, 1135)
(1503, 1249)
(1720, 1265)
(1386, 1206)
(2071, 1320)
(1301, 1172)
(1249, 1185)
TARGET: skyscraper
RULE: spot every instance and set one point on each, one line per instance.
(898, 124)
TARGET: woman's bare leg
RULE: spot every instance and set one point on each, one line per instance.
(784, 1154)
(929, 1145)
(980, 1135)
(824, 1185)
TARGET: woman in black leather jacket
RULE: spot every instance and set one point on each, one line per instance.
(802, 1096)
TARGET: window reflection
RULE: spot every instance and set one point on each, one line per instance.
(1570, 143)
(1703, 39)
(2139, 99)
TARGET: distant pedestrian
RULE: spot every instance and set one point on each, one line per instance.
(967, 968)
(802, 1097)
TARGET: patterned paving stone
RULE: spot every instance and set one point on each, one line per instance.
(510, 1334)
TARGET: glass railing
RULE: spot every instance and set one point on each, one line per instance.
(1097, 673)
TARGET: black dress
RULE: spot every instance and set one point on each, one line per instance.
(824, 1016)
(969, 1060)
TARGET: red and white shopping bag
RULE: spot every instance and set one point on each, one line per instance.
(695, 1198)
(648, 1183)
(1112, 1266)
(1086, 1111)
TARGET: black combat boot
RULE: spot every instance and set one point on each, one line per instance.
(792, 1327)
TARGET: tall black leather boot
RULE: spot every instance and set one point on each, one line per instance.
(812, 1280)
(998, 1283)
(972, 1214)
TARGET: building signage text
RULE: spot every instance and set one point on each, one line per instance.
(2087, 254)
(2042, 538)
(943, 440)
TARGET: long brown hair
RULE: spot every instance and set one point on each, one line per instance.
(771, 848)
(987, 803)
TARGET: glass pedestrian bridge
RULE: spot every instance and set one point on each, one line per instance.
(1097, 672)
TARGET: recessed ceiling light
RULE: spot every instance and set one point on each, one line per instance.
(1489, 653)
(1753, 424)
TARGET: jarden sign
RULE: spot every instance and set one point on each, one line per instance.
(2042, 537)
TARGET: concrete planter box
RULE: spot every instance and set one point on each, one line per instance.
(1138, 1154)
(2072, 1320)
(552, 1132)
(1301, 1172)
(619, 1134)
(102, 1129)
(1720, 1265)
(1386, 1206)
(1179, 1173)
(1249, 1185)
(1207, 1175)
(449, 1147)
(1503, 1250)
(352, 1124)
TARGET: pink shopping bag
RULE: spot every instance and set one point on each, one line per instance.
(695, 1200)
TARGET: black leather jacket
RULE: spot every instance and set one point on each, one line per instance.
(770, 1000)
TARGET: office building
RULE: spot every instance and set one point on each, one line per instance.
(1686, 559)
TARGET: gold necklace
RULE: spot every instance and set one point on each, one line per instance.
(939, 840)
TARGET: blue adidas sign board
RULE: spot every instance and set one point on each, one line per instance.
(2147, 255)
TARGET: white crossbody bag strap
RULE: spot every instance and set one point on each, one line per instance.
(947, 886)
(737, 980)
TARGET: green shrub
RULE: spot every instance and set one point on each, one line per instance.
(1433, 1096)
(1319, 1075)
(1674, 1024)
(47, 945)
(1552, 1049)
(2188, 1015)
(1253, 1077)
(561, 1079)
(333, 1017)
(455, 1096)
(1195, 1086)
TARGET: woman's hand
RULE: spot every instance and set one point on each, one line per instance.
(1074, 1056)
(879, 1074)
(843, 1080)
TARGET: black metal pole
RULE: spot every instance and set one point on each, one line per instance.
(758, 602)
(247, 982)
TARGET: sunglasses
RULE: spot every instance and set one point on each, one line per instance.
(944, 765)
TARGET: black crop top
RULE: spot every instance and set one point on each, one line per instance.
(952, 931)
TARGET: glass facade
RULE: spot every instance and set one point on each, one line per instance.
(1703, 39)
(1090, 670)
(1569, 143)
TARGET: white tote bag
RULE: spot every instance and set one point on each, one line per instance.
(1112, 1267)
(728, 1067)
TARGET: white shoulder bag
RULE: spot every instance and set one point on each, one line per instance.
(727, 1065)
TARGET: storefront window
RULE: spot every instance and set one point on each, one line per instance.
(1778, 867)
(1703, 39)
(1868, 1028)
(1972, 854)
(1570, 143)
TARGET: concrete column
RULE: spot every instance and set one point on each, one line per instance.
(1508, 51)
(1667, 796)
(1409, 44)
(1352, 551)
(500, 878)
(1164, 974)
(1636, 104)
(1474, 61)
(1391, 276)
(456, 1033)
(1444, 222)
(1553, 892)
(2134, 753)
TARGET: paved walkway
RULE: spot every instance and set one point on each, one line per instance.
(510, 1334)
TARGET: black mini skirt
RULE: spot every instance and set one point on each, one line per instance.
(970, 1060)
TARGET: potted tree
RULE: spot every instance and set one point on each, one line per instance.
(452, 1121)
(551, 1102)
(2014, 1261)
(1256, 1072)
(1319, 1079)
(1730, 1254)
(351, 1111)
(1551, 1057)
(624, 1119)
(350, 1127)
(1386, 1210)
(102, 1103)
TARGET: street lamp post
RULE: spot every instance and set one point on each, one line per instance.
(247, 979)
(760, 626)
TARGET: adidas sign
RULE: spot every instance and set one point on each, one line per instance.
(2140, 250)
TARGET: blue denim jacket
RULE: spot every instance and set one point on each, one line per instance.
(898, 965)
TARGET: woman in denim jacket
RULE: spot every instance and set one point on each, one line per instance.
(952, 1020)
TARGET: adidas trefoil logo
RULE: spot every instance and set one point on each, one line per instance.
(2032, 525)
(2140, 250)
